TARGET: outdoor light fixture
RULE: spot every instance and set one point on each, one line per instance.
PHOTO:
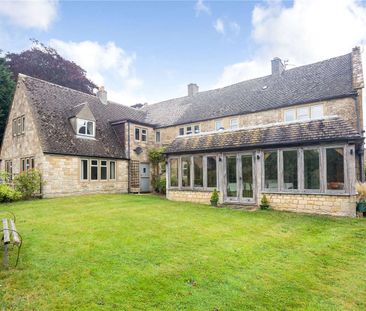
(220, 159)
(258, 156)
(351, 151)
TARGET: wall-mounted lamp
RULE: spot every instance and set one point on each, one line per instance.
(351, 151)
(166, 162)
(220, 159)
(258, 156)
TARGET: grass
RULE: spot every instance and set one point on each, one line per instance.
(128, 252)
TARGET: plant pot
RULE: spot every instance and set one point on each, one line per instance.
(361, 207)
(264, 206)
(213, 203)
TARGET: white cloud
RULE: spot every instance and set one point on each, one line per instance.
(30, 13)
(219, 26)
(107, 65)
(307, 31)
(201, 7)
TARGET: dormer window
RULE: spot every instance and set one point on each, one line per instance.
(85, 128)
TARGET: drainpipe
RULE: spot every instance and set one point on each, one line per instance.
(129, 157)
(362, 146)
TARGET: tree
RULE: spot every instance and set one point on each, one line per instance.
(7, 87)
(157, 160)
(45, 63)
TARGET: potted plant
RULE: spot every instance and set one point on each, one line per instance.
(264, 202)
(214, 198)
(361, 204)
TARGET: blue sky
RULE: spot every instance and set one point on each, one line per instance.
(149, 51)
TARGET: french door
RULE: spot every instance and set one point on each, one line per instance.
(239, 178)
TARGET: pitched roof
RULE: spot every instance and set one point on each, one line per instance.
(53, 105)
(315, 131)
(327, 79)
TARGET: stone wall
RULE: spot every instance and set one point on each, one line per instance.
(202, 197)
(26, 145)
(335, 205)
(62, 177)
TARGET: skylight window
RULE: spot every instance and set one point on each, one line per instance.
(85, 128)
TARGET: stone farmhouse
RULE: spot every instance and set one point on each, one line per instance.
(295, 135)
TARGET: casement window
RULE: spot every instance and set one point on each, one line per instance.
(198, 171)
(312, 169)
(173, 172)
(271, 170)
(143, 134)
(112, 170)
(94, 169)
(157, 137)
(188, 130)
(26, 164)
(335, 168)
(197, 129)
(18, 126)
(290, 171)
(218, 125)
(186, 171)
(181, 131)
(103, 170)
(85, 128)
(84, 169)
(211, 172)
(234, 123)
(322, 170)
(303, 113)
(137, 133)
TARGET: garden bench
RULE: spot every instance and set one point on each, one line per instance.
(11, 237)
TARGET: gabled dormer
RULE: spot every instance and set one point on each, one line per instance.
(83, 121)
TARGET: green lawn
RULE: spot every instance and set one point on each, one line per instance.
(126, 252)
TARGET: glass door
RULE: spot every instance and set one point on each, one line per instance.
(247, 180)
(231, 178)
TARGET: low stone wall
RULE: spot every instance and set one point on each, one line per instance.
(202, 197)
(335, 205)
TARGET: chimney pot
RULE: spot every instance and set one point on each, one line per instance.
(102, 95)
(277, 66)
(192, 89)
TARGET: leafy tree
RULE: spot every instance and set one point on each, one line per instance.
(45, 63)
(7, 87)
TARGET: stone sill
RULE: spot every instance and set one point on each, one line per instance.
(309, 193)
(190, 190)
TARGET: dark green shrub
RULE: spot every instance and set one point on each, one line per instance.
(9, 194)
(28, 183)
(264, 202)
(214, 197)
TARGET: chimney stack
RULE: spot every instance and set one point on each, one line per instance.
(192, 89)
(102, 95)
(277, 66)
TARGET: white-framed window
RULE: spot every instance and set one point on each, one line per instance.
(103, 170)
(189, 130)
(84, 169)
(218, 125)
(85, 128)
(94, 170)
(234, 123)
(304, 113)
(181, 131)
(112, 170)
(290, 115)
(197, 129)
(316, 112)
(157, 137)
(137, 133)
(143, 134)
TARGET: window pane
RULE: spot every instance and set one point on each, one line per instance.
(143, 135)
(218, 125)
(112, 170)
(84, 169)
(234, 124)
(232, 185)
(198, 171)
(311, 169)
(189, 130)
(90, 128)
(103, 170)
(174, 172)
(290, 115)
(303, 113)
(137, 134)
(94, 170)
(270, 170)
(196, 129)
(211, 172)
(316, 111)
(181, 131)
(247, 176)
(290, 169)
(186, 172)
(157, 136)
(335, 169)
